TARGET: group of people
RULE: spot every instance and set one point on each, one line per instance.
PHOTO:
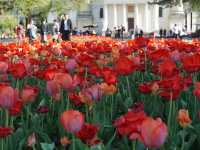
(118, 32)
(63, 28)
(174, 32)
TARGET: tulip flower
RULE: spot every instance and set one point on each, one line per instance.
(5, 131)
(8, 96)
(29, 94)
(184, 118)
(72, 120)
(153, 132)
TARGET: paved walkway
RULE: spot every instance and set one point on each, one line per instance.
(7, 40)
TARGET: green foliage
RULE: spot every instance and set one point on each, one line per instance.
(62, 6)
(33, 7)
(8, 22)
(46, 146)
(194, 4)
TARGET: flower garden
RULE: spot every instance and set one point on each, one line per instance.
(96, 93)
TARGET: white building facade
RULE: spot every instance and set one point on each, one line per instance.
(132, 13)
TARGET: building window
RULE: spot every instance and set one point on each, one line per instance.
(101, 13)
(160, 12)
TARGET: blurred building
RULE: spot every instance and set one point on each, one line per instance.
(132, 13)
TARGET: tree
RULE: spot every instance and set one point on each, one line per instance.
(8, 22)
(6, 5)
(194, 4)
(62, 5)
(30, 8)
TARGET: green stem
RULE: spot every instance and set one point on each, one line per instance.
(2, 144)
(170, 111)
(183, 144)
(134, 145)
(128, 84)
(87, 112)
(7, 124)
(111, 108)
(73, 143)
(17, 84)
(7, 119)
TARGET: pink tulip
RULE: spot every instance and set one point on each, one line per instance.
(95, 92)
(153, 132)
(8, 96)
(72, 120)
(3, 67)
(70, 64)
(65, 80)
(29, 94)
(53, 89)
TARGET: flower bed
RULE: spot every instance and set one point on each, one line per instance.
(99, 93)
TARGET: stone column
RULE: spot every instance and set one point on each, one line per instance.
(146, 17)
(125, 24)
(105, 21)
(156, 18)
(115, 15)
(136, 16)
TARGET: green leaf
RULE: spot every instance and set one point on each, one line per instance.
(46, 146)
(98, 147)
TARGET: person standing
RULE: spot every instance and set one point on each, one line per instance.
(29, 31)
(161, 33)
(44, 30)
(32, 31)
(55, 30)
(122, 31)
(66, 28)
(175, 31)
(136, 31)
(20, 32)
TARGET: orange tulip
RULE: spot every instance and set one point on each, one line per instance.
(184, 118)
(64, 141)
(108, 89)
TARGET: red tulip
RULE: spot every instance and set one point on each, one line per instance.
(8, 96)
(167, 68)
(153, 132)
(75, 99)
(124, 66)
(88, 134)
(18, 70)
(42, 109)
(72, 120)
(191, 63)
(130, 122)
(29, 93)
(109, 75)
(16, 109)
(5, 131)
(158, 55)
(196, 91)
